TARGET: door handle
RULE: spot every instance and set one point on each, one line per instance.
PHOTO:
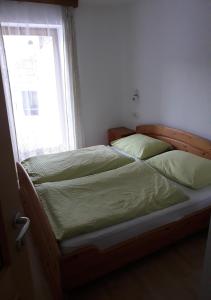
(26, 223)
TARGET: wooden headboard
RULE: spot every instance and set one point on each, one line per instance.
(179, 139)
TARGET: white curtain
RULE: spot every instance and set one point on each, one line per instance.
(40, 77)
(72, 68)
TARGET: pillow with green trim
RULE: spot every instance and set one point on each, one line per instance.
(141, 146)
(183, 167)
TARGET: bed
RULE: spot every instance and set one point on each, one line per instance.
(79, 260)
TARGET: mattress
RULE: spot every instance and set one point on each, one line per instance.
(113, 235)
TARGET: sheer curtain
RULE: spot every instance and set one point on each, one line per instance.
(72, 68)
(39, 69)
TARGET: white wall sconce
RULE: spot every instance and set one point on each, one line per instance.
(136, 100)
(136, 96)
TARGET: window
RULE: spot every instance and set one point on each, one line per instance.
(30, 103)
(36, 74)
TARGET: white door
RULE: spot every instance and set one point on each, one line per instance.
(15, 277)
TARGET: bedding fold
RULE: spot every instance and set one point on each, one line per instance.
(87, 204)
(74, 164)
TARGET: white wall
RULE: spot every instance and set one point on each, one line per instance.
(100, 55)
(171, 64)
(161, 47)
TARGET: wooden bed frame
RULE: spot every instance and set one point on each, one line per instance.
(65, 272)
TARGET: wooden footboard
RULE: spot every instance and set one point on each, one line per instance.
(42, 234)
(90, 263)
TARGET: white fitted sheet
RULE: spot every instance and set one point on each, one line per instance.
(113, 235)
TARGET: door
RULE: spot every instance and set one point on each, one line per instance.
(205, 292)
(15, 277)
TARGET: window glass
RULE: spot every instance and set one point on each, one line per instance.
(37, 90)
(30, 103)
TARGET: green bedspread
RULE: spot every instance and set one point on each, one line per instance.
(83, 205)
(73, 164)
